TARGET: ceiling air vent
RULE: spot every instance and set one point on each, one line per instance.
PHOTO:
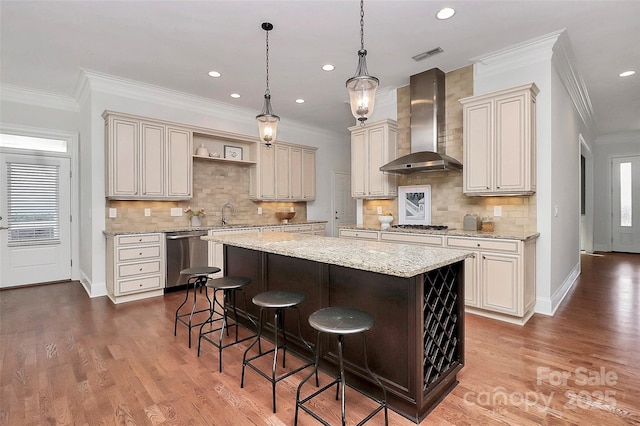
(427, 54)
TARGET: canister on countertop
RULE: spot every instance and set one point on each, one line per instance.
(487, 224)
(471, 222)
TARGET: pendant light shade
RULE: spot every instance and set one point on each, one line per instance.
(362, 87)
(267, 120)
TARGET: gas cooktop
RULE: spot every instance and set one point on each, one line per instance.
(427, 227)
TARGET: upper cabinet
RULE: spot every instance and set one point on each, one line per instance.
(499, 148)
(372, 146)
(147, 159)
(284, 172)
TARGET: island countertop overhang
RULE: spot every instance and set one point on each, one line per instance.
(401, 260)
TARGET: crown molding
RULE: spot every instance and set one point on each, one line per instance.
(565, 64)
(516, 56)
(94, 82)
(23, 95)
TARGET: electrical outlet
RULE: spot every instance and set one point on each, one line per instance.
(292, 209)
(497, 211)
(379, 210)
(147, 212)
(176, 211)
(113, 212)
(259, 210)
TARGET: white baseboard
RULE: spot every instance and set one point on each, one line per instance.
(549, 306)
(92, 289)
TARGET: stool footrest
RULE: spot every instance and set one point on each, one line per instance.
(281, 377)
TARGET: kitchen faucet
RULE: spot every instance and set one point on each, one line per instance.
(233, 211)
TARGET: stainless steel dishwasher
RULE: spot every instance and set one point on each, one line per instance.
(185, 249)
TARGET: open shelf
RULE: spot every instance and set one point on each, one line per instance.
(225, 160)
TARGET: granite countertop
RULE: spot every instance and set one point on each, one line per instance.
(401, 260)
(452, 232)
(139, 230)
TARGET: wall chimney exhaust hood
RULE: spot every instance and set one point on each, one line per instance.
(427, 122)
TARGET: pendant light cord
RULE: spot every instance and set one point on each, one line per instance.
(362, 24)
(267, 91)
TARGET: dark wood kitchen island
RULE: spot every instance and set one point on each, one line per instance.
(414, 293)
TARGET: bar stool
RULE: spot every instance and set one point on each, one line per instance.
(196, 277)
(229, 286)
(279, 300)
(340, 321)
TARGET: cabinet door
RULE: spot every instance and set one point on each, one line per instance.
(152, 151)
(295, 173)
(123, 145)
(471, 280)
(478, 134)
(282, 154)
(376, 159)
(179, 169)
(511, 144)
(499, 283)
(309, 174)
(266, 174)
(358, 163)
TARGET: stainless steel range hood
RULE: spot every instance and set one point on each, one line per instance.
(427, 122)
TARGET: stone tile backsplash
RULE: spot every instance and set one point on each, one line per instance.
(214, 183)
(448, 203)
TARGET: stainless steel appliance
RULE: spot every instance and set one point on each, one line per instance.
(185, 249)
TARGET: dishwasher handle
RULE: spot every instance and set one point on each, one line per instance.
(184, 236)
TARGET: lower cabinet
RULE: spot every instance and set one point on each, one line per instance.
(216, 253)
(135, 266)
(499, 278)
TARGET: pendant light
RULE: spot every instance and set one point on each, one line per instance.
(362, 87)
(267, 120)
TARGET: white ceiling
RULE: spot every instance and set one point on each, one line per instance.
(173, 44)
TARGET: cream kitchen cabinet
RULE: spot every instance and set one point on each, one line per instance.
(135, 267)
(499, 142)
(146, 159)
(372, 146)
(215, 250)
(359, 234)
(284, 172)
(499, 278)
(421, 239)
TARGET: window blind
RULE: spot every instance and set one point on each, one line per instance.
(33, 204)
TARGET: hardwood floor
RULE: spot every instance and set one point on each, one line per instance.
(67, 359)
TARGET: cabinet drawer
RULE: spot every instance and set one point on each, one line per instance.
(363, 235)
(298, 228)
(138, 253)
(424, 239)
(143, 268)
(141, 284)
(272, 229)
(124, 240)
(320, 227)
(505, 246)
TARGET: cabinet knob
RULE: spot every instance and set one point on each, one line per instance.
(478, 244)
(140, 285)
(140, 269)
(483, 257)
(140, 253)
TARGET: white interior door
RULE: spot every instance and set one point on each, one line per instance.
(35, 224)
(344, 207)
(626, 204)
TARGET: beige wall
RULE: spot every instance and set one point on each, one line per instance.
(448, 203)
(214, 184)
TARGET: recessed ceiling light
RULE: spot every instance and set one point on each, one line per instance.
(445, 13)
(214, 74)
(328, 67)
(235, 95)
(299, 101)
(627, 73)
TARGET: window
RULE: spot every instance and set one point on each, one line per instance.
(32, 143)
(32, 204)
(626, 218)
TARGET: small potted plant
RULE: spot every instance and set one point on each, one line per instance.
(385, 219)
(195, 216)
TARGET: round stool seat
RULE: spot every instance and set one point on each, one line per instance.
(339, 320)
(200, 270)
(228, 283)
(278, 299)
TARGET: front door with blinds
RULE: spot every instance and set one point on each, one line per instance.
(35, 219)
